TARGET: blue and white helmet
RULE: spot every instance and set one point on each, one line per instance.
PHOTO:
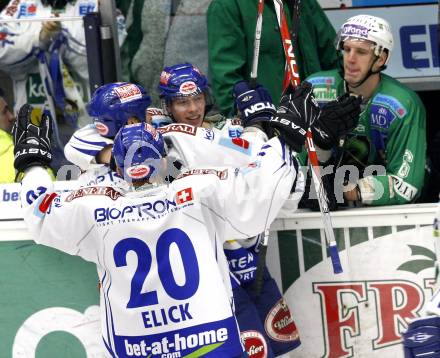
(182, 80)
(138, 150)
(114, 103)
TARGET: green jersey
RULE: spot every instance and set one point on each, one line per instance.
(389, 144)
(231, 33)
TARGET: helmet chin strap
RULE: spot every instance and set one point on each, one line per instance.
(369, 73)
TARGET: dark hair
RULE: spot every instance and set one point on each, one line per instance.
(2, 93)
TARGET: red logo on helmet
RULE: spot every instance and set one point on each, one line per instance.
(102, 128)
(279, 323)
(164, 77)
(188, 87)
(138, 171)
(254, 344)
(128, 92)
(154, 133)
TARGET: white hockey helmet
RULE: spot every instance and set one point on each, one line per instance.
(368, 28)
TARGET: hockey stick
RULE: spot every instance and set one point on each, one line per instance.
(257, 40)
(259, 272)
(293, 78)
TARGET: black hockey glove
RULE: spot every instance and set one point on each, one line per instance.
(337, 119)
(31, 139)
(297, 110)
(255, 105)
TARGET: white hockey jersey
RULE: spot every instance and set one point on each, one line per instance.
(20, 45)
(159, 251)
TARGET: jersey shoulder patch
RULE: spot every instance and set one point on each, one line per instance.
(391, 103)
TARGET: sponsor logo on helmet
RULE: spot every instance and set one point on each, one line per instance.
(102, 128)
(164, 77)
(354, 30)
(279, 323)
(128, 92)
(196, 69)
(187, 88)
(138, 171)
(154, 133)
(254, 344)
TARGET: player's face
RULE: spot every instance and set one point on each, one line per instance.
(188, 110)
(358, 59)
(7, 119)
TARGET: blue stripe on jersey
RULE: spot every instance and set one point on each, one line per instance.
(109, 350)
(99, 144)
(91, 152)
(107, 309)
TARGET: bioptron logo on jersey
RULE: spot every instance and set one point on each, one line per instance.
(144, 211)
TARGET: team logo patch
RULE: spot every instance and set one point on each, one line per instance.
(46, 202)
(187, 88)
(221, 174)
(238, 144)
(182, 128)
(101, 128)
(381, 117)
(94, 190)
(27, 10)
(254, 344)
(279, 324)
(128, 92)
(138, 171)
(392, 103)
(208, 134)
(324, 94)
(183, 196)
(5, 36)
(322, 80)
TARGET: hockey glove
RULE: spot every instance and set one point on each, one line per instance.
(31, 139)
(254, 105)
(337, 119)
(422, 339)
(297, 110)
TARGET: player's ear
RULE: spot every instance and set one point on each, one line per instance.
(381, 60)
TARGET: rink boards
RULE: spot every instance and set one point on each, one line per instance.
(49, 300)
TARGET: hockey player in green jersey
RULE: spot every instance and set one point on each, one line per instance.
(387, 150)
